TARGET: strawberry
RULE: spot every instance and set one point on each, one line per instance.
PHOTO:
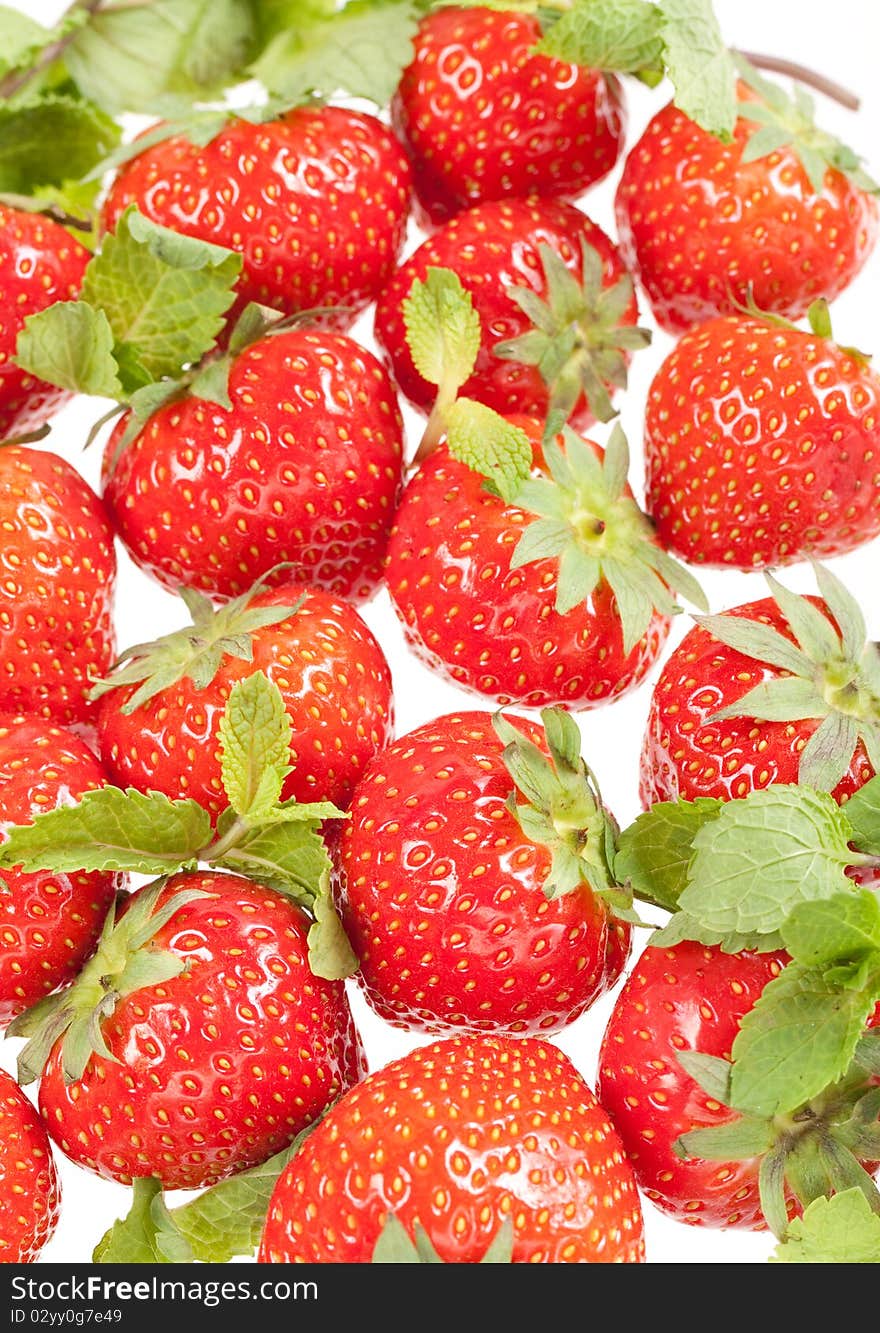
(785, 689)
(29, 1192)
(56, 593)
(197, 1042)
(160, 712)
(555, 593)
(466, 909)
(458, 1148)
(761, 443)
(40, 263)
(554, 300)
(315, 201)
(780, 215)
(484, 117)
(49, 923)
(303, 467)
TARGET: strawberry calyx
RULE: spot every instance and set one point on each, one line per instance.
(197, 651)
(396, 1246)
(790, 122)
(832, 674)
(579, 338)
(588, 521)
(123, 963)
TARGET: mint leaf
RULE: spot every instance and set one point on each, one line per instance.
(622, 36)
(71, 345)
(21, 39)
(362, 51)
(111, 830)
(700, 66)
(863, 812)
(147, 1235)
(761, 856)
(442, 330)
(51, 140)
(129, 58)
(487, 443)
(228, 1218)
(798, 1038)
(330, 954)
(655, 851)
(255, 736)
(840, 929)
(289, 857)
(839, 1230)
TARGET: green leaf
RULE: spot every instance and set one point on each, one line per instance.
(710, 1071)
(147, 1235)
(442, 330)
(487, 443)
(287, 856)
(739, 1139)
(362, 51)
(330, 954)
(798, 1038)
(51, 140)
(843, 928)
(655, 851)
(70, 344)
(395, 1245)
(111, 830)
(761, 856)
(863, 812)
(255, 737)
(622, 36)
(21, 39)
(839, 1230)
(129, 58)
(700, 65)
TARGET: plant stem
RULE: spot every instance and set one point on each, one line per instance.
(220, 846)
(17, 79)
(777, 65)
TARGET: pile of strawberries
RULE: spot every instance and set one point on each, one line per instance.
(190, 1028)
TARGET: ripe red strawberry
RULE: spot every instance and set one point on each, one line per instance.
(56, 590)
(211, 1046)
(560, 596)
(316, 202)
(159, 719)
(40, 263)
(761, 444)
(484, 118)
(303, 468)
(30, 1196)
(49, 923)
(785, 689)
(781, 215)
(464, 912)
(690, 998)
(458, 1142)
(528, 265)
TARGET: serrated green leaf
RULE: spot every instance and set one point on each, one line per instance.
(442, 330)
(798, 1038)
(622, 36)
(255, 736)
(654, 852)
(362, 51)
(111, 830)
(489, 444)
(700, 65)
(50, 140)
(70, 344)
(131, 57)
(21, 39)
(839, 1230)
(289, 857)
(839, 929)
(761, 856)
(863, 812)
(147, 1235)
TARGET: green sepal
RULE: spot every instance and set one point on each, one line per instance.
(739, 1139)
(396, 1246)
(842, 1229)
(330, 953)
(710, 1072)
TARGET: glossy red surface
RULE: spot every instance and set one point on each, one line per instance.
(707, 232)
(49, 922)
(492, 247)
(484, 118)
(761, 446)
(316, 202)
(458, 1136)
(336, 687)
(30, 1195)
(304, 468)
(223, 1065)
(441, 894)
(40, 263)
(683, 756)
(689, 998)
(490, 628)
(57, 579)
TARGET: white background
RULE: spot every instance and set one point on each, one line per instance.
(843, 41)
